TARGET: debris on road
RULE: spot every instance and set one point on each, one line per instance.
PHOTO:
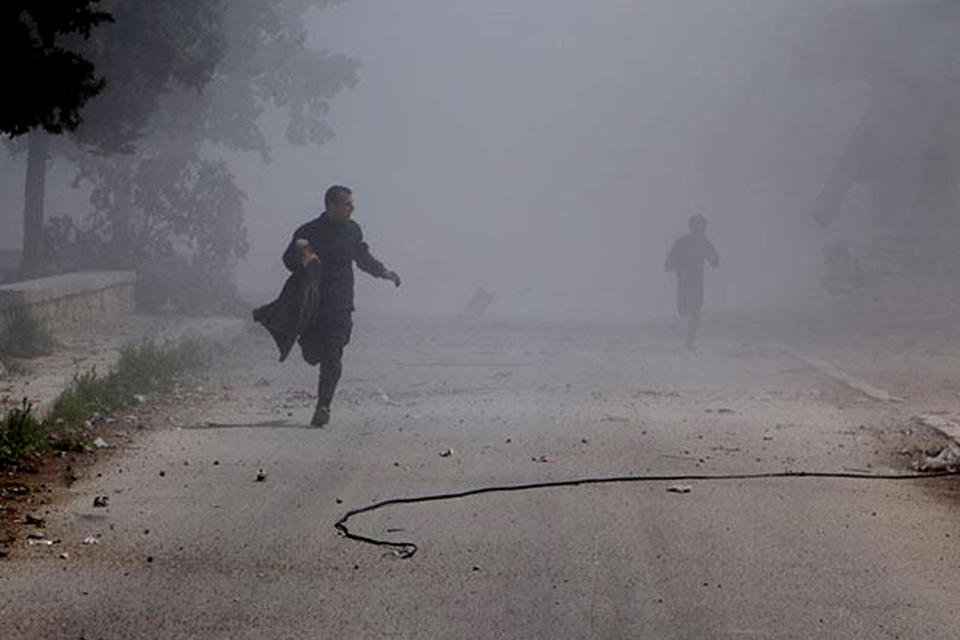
(680, 488)
(387, 399)
(615, 418)
(44, 542)
(478, 304)
(64, 556)
(91, 540)
(947, 460)
(261, 475)
(542, 460)
(34, 521)
(100, 443)
(101, 501)
(446, 453)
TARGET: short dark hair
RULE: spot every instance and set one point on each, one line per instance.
(334, 193)
(697, 219)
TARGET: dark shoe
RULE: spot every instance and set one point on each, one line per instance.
(320, 417)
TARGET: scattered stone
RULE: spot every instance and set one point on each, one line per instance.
(101, 501)
(43, 542)
(387, 399)
(680, 488)
(446, 453)
(947, 460)
(139, 398)
(261, 475)
(100, 443)
(91, 540)
(615, 418)
(64, 556)
(34, 520)
(541, 460)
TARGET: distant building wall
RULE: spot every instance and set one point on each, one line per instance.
(70, 299)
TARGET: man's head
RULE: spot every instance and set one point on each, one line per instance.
(698, 225)
(339, 203)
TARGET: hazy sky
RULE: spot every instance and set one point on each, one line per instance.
(551, 150)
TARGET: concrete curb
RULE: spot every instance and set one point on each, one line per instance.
(835, 374)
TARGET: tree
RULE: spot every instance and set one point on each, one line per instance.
(51, 82)
(149, 49)
(49, 78)
(151, 206)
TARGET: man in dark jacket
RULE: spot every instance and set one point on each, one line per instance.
(335, 243)
(686, 258)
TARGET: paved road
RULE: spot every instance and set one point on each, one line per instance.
(192, 546)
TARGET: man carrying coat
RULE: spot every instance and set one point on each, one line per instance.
(333, 242)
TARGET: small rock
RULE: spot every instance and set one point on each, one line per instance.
(101, 501)
(64, 556)
(446, 453)
(680, 488)
(139, 398)
(261, 475)
(91, 540)
(34, 520)
(100, 443)
(44, 542)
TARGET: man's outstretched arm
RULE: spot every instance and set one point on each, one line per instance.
(374, 267)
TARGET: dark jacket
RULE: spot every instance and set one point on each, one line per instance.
(294, 310)
(338, 245)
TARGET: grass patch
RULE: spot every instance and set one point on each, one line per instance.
(143, 368)
(20, 434)
(25, 337)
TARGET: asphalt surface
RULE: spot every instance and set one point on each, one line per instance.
(193, 546)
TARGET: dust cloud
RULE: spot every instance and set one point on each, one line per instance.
(551, 150)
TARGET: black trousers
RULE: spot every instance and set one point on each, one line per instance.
(323, 343)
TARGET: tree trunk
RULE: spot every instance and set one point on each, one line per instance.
(32, 261)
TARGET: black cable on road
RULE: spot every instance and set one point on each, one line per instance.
(408, 549)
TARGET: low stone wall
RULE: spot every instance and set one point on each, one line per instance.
(64, 301)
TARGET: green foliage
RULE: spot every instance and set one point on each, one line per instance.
(177, 220)
(25, 337)
(20, 434)
(51, 80)
(143, 368)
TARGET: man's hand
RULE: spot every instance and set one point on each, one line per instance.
(392, 277)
